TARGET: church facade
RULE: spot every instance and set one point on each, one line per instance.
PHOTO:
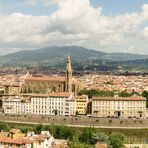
(47, 84)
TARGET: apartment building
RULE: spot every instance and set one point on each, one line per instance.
(81, 104)
(13, 88)
(134, 106)
(15, 105)
(61, 103)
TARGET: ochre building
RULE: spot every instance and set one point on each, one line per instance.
(81, 104)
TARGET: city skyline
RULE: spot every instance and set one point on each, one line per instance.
(109, 26)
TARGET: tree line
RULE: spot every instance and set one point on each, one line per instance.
(82, 138)
(104, 93)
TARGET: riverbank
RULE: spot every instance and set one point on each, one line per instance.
(78, 126)
(134, 135)
(79, 121)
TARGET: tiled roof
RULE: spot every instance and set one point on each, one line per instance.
(99, 145)
(83, 96)
(56, 94)
(41, 137)
(21, 140)
(5, 139)
(133, 98)
(45, 78)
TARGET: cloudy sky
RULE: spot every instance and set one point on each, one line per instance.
(105, 25)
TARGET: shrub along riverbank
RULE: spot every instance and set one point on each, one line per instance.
(79, 137)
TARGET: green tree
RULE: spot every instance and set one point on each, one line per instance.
(61, 132)
(116, 140)
(94, 92)
(145, 94)
(86, 135)
(38, 128)
(4, 127)
(50, 128)
(24, 129)
(75, 143)
(79, 145)
(29, 90)
(99, 137)
(124, 93)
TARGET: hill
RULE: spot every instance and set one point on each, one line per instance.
(56, 56)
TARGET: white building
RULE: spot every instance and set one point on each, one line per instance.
(70, 107)
(53, 104)
(134, 106)
(15, 105)
(61, 103)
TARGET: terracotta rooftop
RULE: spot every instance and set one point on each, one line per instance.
(5, 139)
(41, 137)
(60, 94)
(100, 145)
(15, 84)
(133, 98)
(83, 96)
(40, 95)
(45, 78)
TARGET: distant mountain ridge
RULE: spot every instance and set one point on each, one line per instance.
(57, 54)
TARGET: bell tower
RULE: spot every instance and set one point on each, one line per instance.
(68, 76)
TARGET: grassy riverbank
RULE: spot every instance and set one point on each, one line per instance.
(127, 132)
(132, 135)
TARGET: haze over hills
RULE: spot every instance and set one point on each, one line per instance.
(55, 54)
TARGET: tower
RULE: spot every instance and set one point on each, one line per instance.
(68, 76)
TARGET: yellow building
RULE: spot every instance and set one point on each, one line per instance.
(81, 104)
(134, 106)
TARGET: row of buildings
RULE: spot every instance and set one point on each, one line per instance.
(54, 95)
(63, 103)
(67, 104)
